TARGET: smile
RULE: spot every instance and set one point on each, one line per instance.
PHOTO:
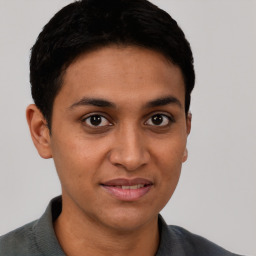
(127, 190)
(131, 187)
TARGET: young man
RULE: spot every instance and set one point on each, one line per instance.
(111, 81)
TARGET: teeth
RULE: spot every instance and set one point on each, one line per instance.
(133, 187)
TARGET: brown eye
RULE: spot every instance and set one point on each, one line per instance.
(96, 121)
(158, 120)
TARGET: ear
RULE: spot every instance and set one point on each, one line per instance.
(188, 122)
(185, 156)
(39, 131)
(188, 129)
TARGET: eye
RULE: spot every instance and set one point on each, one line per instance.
(159, 120)
(96, 121)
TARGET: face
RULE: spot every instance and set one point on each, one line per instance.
(118, 135)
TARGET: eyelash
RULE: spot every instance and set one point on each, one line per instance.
(101, 116)
(164, 117)
(167, 118)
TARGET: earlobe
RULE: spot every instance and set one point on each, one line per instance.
(39, 131)
(188, 129)
(185, 156)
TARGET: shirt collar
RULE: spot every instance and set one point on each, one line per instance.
(49, 245)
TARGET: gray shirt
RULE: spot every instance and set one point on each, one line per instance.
(38, 239)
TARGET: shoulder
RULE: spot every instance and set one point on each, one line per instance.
(36, 238)
(19, 242)
(177, 241)
(196, 245)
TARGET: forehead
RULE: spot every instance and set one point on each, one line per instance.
(122, 74)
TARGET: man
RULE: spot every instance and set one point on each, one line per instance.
(111, 81)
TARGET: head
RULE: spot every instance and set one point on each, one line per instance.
(86, 25)
(111, 80)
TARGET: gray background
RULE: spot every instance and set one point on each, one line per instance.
(216, 196)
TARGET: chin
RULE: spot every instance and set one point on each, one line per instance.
(127, 220)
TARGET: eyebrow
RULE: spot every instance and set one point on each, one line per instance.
(105, 103)
(93, 102)
(164, 101)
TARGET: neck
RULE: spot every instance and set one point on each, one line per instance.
(80, 235)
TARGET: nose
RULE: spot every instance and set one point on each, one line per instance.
(129, 149)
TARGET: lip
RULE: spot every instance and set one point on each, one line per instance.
(114, 188)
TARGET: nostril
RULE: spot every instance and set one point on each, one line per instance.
(128, 160)
(129, 149)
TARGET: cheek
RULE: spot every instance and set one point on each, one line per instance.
(78, 160)
(169, 160)
(170, 153)
(73, 162)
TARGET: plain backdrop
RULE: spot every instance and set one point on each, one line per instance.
(216, 196)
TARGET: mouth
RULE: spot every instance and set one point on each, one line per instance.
(137, 186)
(128, 190)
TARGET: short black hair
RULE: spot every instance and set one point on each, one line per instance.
(86, 25)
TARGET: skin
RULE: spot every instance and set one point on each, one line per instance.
(127, 144)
